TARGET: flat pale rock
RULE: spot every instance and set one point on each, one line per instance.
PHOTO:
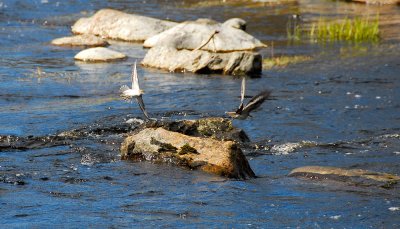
(223, 158)
(99, 54)
(80, 40)
(378, 2)
(358, 176)
(199, 61)
(193, 34)
(115, 24)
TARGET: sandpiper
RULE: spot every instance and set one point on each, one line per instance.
(244, 111)
(135, 92)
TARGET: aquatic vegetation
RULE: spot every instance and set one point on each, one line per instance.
(357, 29)
(236, 3)
(283, 61)
(293, 28)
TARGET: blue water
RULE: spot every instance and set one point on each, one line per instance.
(347, 95)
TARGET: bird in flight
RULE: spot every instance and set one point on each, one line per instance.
(135, 92)
(244, 111)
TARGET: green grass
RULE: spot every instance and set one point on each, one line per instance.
(353, 30)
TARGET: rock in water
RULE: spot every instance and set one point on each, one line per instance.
(86, 40)
(211, 127)
(99, 54)
(355, 176)
(217, 37)
(199, 61)
(378, 2)
(219, 157)
(115, 24)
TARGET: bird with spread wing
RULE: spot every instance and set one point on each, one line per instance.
(244, 111)
(135, 92)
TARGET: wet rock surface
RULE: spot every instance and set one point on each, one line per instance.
(159, 145)
(115, 24)
(208, 144)
(85, 40)
(214, 127)
(206, 34)
(15, 143)
(358, 177)
(99, 54)
(198, 61)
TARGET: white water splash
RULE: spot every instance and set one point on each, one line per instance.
(88, 160)
(394, 209)
(290, 147)
(335, 217)
(134, 120)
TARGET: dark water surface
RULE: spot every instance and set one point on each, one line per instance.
(346, 101)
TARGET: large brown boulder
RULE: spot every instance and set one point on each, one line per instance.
(221, 157)
(115, 24)
(199, 61)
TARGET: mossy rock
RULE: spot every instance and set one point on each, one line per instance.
(214, 127)
(186, 149)
(159, 145)
(210, 126)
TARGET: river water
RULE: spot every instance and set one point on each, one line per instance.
(345, 101)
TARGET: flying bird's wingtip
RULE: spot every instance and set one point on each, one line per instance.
(123, 88)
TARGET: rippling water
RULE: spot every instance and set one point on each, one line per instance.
(346, 101)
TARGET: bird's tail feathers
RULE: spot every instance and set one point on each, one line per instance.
(123, 88)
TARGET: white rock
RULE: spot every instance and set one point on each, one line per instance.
(192, 34)
(134, 120)
(99, 54)
(115, 24)
(199, 61)
(80, 40)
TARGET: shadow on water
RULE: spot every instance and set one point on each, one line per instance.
(60, 130)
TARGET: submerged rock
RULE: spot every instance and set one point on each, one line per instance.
(99, 54)
(80, 40)
(15, 143)
(115, 24)
(223, 158)
(208, 35)
(198, 61)
(356, 176)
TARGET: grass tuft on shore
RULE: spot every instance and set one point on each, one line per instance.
(356, 30)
